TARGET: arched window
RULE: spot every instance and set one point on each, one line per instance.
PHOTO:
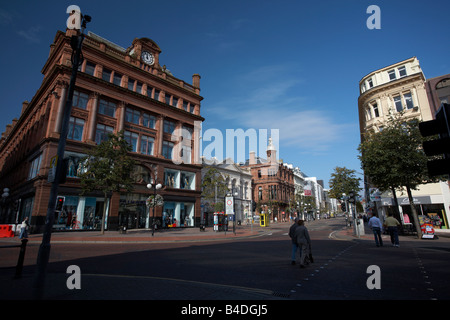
(443, 90)
(443, 83)
(142, 174)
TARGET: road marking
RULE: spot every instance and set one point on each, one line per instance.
(255, 290)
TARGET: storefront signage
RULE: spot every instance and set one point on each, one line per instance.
(416, 200)
(375, 194)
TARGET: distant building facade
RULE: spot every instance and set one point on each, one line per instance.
(239, 183)
(272, 184)
(117, 89)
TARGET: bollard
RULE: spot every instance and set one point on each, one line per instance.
(19, 266)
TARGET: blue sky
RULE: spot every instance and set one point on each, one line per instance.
(287, 65)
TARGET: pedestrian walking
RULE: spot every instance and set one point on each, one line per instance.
(24, 229)
(376, 226)
(392, 226)
(303, 241)
(293, 241)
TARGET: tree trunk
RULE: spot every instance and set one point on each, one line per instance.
(394, 195)
(414, 213)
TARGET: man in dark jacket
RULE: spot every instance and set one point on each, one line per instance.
(294, 241)
(303, 241)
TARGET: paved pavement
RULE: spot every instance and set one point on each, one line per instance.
(135, 287)
(181, 235)
(144, 236)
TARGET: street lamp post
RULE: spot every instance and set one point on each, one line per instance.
(44, 249)
(235, 195)
(154, 186)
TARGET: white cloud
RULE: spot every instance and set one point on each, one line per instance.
(6, 17)
(32, 34)
(272, 98)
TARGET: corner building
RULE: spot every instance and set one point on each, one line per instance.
(116, 89)
(402, 87)
(272, 184)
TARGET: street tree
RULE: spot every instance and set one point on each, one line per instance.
(214, 188)
(343, 181)
(393, 159)
(108, 168)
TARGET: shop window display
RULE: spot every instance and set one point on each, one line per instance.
(79, 213)
(178, 214)
(179, 179)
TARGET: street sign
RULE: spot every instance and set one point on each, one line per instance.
(229, 205)
(52, 171)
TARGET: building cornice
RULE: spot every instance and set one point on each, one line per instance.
(381, 89)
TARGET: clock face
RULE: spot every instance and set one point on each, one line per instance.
(147, 57)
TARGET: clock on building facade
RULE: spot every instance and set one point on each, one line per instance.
(148, 57)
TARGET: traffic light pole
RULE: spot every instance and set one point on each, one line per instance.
(440, 146)
(44, 249)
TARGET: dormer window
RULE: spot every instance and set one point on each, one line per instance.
(392, 75)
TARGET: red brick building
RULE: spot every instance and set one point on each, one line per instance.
(438, 92)
(116, 89)
(272, 184)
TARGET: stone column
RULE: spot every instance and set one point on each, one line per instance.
(93, 117)
(159, 135)
(120, 115)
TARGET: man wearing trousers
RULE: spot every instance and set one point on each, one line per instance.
(303, 241)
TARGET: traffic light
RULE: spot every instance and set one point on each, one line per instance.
(254, 206)
(343, 207)
(59, 203)
(440, 146)
(352, 197)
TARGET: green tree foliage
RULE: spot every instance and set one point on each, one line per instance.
(108, 169)
(342, 181)
(214, 189)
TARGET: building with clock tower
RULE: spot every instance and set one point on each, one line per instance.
(117, 89)
(272, 184)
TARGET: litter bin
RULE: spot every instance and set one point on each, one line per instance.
(359, 227)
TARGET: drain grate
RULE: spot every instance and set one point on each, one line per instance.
(281, 294)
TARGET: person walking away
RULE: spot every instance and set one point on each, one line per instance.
(303, 241)
(392, 226)
(294, 241)
(24, 229)
(376, 226)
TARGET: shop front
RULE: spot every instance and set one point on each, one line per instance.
(79, 213)
(431, 208)
(133, 211)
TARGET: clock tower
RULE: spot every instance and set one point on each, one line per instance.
(146, 51)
